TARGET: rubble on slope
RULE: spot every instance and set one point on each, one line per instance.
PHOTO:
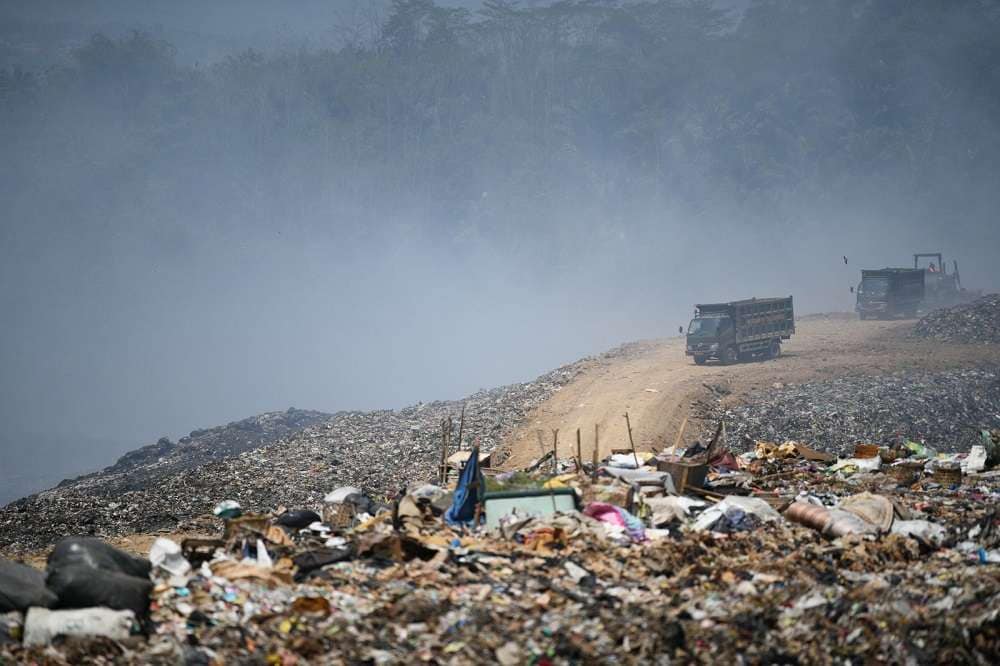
(975, 322)
(898, 572)
(142, 467)
(379, 451)
(942, 409)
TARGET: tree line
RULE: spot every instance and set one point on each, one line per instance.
(517, 122)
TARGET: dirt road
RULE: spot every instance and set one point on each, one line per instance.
(656, 383)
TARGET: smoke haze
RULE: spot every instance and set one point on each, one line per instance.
(249, 206)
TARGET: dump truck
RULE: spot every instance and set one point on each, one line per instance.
(740, 330)
(887, 293)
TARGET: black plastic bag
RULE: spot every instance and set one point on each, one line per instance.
(361, 504)
(21, 587)
(94, 553)
(311, 560)
(298, 519)
(82, 586)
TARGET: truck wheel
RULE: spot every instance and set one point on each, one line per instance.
(730, 355)
(775, 350)
(700, 360)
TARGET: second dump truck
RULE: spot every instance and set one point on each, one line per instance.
(740, 330)
(890, 292)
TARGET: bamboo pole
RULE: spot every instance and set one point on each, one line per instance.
(635, 455)
(680, 434)
(555, 451)
(445, 436)
(597, 447)
(461, 427)
(579, 455)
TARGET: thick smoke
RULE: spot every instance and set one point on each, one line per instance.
(251, 207)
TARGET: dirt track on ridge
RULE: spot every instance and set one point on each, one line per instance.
(656, 383)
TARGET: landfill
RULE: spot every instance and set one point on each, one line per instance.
(975, 322)
(781, 555)
(280, 458)
(939, 408)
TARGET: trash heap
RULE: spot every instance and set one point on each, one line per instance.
(975, 322)
(937, 408)
(783, 554)
(279, 458)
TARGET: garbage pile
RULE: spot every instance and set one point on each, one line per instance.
(145, 466)
(978, 321)
(938, 408)
(779, 555)
(170, 487)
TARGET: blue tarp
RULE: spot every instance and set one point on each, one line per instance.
(468, 493)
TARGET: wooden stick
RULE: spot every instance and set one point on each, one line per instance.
(680, 434)
(555, 451)
(445, 433)
(461, 427)
(579, 455)
(703, 492)
(635, 455)
(597, 447)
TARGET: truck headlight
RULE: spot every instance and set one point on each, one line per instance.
(714, 346)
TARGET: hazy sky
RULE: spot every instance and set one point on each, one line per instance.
(114, 339)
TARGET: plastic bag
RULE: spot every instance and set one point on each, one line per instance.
(166, 554)
(734, 508)
(22, 586)
(80, 586)
(922, 530)
(299, 519)
(94, 553)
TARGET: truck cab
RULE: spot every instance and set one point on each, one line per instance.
(709, 335)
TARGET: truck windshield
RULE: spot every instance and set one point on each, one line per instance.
(875, 287)
(707, 327)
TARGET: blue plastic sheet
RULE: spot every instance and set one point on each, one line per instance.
(468, 493)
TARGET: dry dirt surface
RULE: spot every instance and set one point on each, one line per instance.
(656, 383)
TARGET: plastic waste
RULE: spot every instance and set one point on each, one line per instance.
(852, 465)
(735, 508)
(668, 509)
(617, 517)
(469, 493)
(576, 572)
(263, 557)
(922, 530)
(920, 450)
(340, 494)
(228, 509)
(623, 460)
(80, 586)
(42, 625)
(298, 519)
(166, 554)
(429, 491)
(96, 554)
(976, 460)
(22, 586)
(11, 627)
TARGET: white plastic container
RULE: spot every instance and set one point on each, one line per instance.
(42, 625)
